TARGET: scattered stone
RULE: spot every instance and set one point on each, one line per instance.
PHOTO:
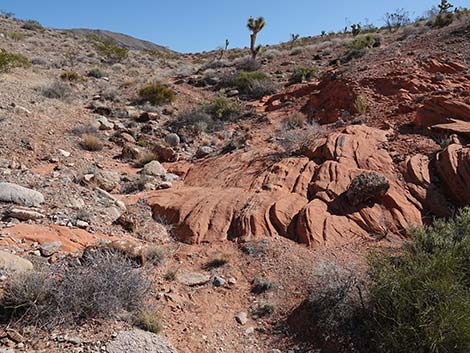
(107, 180)
(241, 318)
(74, 340)
(153, 168)
(138, 341)
(233, 93)
(128, 137)
(64, 153)
(121, 205)
(81, 224)
(165, 185)
(193, 279)
(172, 139)
(104, 123)
(24, 214)
(203, 151)
(50, 248)
(130, 152)
(14, 263)
(20, 195)
(218, 281)
(165, 153)
(232, 281)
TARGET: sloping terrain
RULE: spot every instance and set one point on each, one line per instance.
(389, 151)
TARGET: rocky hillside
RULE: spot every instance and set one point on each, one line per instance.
(224, 187)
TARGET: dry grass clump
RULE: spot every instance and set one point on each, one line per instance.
(91, 143)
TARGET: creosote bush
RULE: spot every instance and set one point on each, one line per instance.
(302, 74)
(57, 90)
(101, 285)
(223, 108)
(109, 49)
(96, 73)
(32, 25)
(156, 94)
(253, 85)
(72, 76)
(9, 61)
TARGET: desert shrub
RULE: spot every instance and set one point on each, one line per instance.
(32, 25)
(397, 19)
(419, 300)
(263, 309)
(16, 36)
(108, 48)
(39, 61)
(247, 64)
(260, 285)
(253, 84)
(443, 20)
(6, 14)
(360, 105)
(296, 51)
(332, 307)
(297, 140)
(154, 255)
(102, 284)
(170, 275)
(215, 263)
(72, 76)
(197, 120)
(295, 120)
(255, 248)
(57, 90)
(148, 320)
(223, 108)
(302, 74)
(156, 94)
(271, 54)
(360, 45)
(9, 61)
(96, 73)
(146, 158)
(91, 143)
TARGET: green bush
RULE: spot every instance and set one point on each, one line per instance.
(254, 84)
(302, 74)
(156, 94)
(71, 76)
(9, 61)
(32, 25)
(223, 108)
(96, 73)
(419, 301)
(108, 48)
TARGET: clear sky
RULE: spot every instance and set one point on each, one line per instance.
(192, 25)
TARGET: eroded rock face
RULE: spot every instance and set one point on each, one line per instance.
(453, 167)
(298, 198)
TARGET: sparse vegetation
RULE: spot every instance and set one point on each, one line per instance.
(149, 320)
(71, 76)
(223, 108)
(261, 285)
(302, 74)
(108, 48)
(102, 284)
(397, 19)
(360, 105)
(156, 94)
(16, 36)
(216, 263)
(146, 158)
(91, 143)
(295, 120)
(57, 90)
(9, 61)
(32, 25)
(263, 309)
(154, 254)
(253, 85)
(295, 141)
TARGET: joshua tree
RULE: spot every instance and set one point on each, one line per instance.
(356, 29)
(293, 39)
(445, 6)
(255, 26)
(223, 50)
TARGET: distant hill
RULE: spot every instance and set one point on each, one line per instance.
(123, 40)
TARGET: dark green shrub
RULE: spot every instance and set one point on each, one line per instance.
(32, 25)
(96, 73)
(156, 94)
(360, 45)
(419, 301)
(223, 108)
(302, 74)
(9, 61)
(71, 76)
(253, 85)
(108, 48)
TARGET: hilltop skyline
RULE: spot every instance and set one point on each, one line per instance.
(205, 27)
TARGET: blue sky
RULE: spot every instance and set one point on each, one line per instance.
(189, 26)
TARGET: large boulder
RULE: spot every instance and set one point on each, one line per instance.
(14, 263)
(20, 195)
(138, 341)
(453, 167)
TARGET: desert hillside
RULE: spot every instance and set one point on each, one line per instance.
(153, 201)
